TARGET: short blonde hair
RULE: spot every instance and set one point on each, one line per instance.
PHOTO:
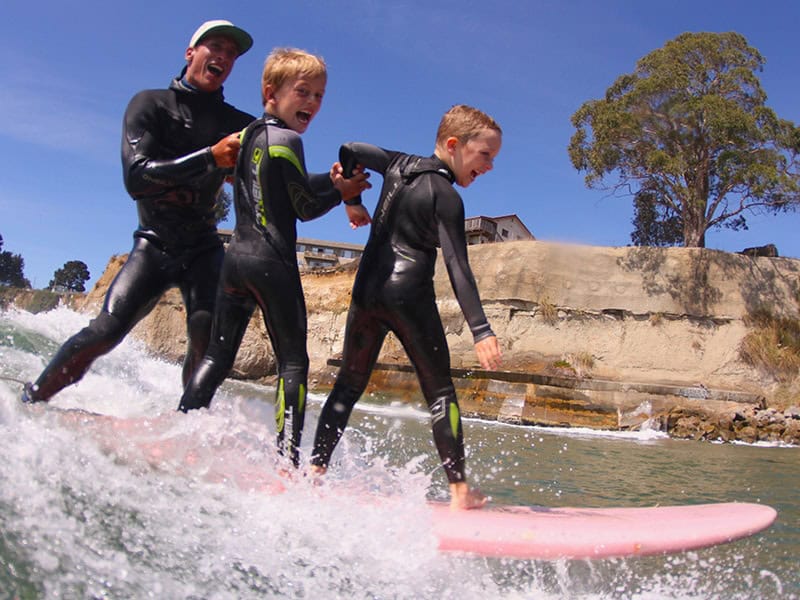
(464, 123)
(284, 64)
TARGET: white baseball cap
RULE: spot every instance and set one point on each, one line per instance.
(226, 28)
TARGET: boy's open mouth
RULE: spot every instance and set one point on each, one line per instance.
(303, 117)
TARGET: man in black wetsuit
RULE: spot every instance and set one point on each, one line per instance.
(178, 145)
(418, 210)
(272, 190)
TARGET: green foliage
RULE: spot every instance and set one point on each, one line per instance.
(71, 277)
(563, 364)
(655, 223)
(223, 205)
(42, 301)
(11, 269)
(690, 131)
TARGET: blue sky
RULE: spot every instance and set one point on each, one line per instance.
(394, 68)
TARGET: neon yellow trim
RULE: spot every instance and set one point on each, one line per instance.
(258, 154)
(301, 401)
(280, 407)
(286, 153)
(455, 418)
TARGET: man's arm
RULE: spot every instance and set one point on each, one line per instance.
(146, 175)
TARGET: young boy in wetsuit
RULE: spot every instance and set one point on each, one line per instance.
(272, 190)
(418, 210)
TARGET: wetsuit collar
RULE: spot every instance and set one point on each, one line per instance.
(444, 170)
(180, 84)
(432, 164)
(271, 120)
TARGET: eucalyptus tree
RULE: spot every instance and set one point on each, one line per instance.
(689, 135)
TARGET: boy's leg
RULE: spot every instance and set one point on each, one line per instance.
(419, 329)
(280, 296)
(364, 335)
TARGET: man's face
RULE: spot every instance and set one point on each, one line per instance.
(210, 62)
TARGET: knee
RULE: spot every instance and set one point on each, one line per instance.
(105, 327)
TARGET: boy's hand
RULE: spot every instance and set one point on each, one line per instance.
(358, 215)
(352, 186)
(489, 354)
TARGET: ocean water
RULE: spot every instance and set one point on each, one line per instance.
(108, 492)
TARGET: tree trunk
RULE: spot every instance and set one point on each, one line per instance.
(694, 224)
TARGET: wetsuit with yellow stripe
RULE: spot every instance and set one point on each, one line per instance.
(272, 191)
(418, 210)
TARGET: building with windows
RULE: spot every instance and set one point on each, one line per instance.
(486, 230)
(316, 254)
(321, 254)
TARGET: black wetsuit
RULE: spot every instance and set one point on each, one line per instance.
(418, 210)
(272, 191)
(170, 171)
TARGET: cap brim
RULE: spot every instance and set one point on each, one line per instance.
(242, 39)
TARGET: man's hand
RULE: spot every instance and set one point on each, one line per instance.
(226, 150)
(489, 354)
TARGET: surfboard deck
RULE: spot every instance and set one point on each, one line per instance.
(538, 532)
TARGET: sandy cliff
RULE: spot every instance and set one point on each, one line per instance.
(595, 336)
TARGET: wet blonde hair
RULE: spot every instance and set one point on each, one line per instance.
(464, 123)
(284, 64)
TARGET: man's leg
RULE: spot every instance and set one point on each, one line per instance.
(131, 296)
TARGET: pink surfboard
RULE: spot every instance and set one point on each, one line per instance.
(525, 532)
(537, 532)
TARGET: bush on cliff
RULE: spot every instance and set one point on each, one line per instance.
(773, 345)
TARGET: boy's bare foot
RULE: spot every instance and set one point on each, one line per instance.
(464, 498)
(317, 470)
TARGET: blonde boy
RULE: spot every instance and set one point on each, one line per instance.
(272, 191)
(418, 211)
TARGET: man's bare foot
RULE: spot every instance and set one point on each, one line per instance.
(464, 498)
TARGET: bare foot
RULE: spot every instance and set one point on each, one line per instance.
(464, 498)
(315, 473)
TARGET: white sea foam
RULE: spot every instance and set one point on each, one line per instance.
(143, 501)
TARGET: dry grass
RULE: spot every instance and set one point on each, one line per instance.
(579, 364)
(772, 345)
(549, 311)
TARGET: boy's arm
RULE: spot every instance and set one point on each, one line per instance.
(453, 241)
(357, 155)
(450, 217)
(311, 195)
